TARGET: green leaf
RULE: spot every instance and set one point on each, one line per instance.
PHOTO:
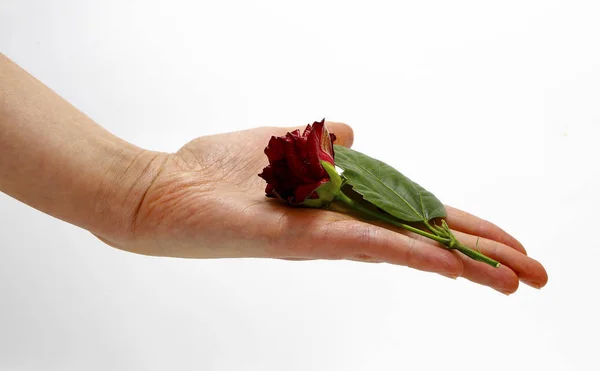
(386, 188)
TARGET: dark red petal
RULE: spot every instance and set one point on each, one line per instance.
(274, 149)
(307, 131)
(326, 143)
(285, 181)
(295, 155)
(269, 189)
(305, 191)
(295, 134)
(267, 174)
(312, 153)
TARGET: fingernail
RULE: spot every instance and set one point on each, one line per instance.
(449, 275)
(535, 285)
(507, 293)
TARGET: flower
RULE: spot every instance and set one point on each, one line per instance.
(301, 167)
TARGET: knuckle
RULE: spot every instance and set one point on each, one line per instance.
(411, 253)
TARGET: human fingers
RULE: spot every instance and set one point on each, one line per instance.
(464, 222)
(502, 279)
(350, 239)
(343, 133)
(528, 270)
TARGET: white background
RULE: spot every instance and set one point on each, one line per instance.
(492, 105)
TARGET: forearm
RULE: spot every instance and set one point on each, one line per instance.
(57, 160)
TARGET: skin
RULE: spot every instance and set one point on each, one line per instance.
(206, 200)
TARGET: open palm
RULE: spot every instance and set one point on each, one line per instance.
(208, 202)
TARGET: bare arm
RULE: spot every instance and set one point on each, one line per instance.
(57, 160)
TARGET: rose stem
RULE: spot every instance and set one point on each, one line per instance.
(451, 243)
(473, 254)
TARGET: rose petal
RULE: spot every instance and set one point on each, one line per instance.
(274, 150)
(307, 190)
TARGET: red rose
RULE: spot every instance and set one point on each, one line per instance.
(295, 171)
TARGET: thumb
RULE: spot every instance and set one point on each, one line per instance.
(343, 132)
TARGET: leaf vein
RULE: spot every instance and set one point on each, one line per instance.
(393, 191)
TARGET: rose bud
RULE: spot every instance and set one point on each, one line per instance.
(301, 168)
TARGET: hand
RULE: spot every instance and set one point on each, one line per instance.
(208, 202)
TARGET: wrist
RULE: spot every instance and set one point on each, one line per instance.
(127, 176)
(57, 160)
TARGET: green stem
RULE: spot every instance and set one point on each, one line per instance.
(358, 207)
(476, 255)
(432, 228)
(450, 243)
